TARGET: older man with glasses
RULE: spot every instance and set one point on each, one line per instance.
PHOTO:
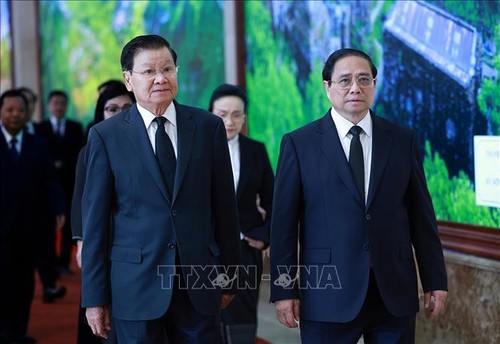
(159, 211)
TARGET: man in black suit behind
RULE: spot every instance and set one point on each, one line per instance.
(65, 138)
(27, 178)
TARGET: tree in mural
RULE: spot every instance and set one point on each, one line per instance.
(81, 45)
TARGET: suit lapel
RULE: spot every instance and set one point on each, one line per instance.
(331, 147)
(186, 128)
(381, 148)
(138, 136)
(245, 156)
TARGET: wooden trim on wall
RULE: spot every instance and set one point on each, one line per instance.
(475, 240)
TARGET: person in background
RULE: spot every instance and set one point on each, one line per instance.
(112, 101)
(32, 99)
(100, 89)
(65, 137)
(27, 178)
(350, 205)
(46, 251)
(253, 179)
(111, 82)
(158, 207)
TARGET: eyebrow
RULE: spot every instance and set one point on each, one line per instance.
(356, 75)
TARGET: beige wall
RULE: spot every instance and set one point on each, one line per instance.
(472, 312)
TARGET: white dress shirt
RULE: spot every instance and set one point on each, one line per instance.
(8, 138)
(62, 126)
(366, 138)
(234, 152)
(151, 126)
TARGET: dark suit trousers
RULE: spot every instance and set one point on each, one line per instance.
(240, 317)
(17, 268)
(45, 252)
(374, 323)
(182, 323)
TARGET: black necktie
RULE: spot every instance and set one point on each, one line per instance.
(13, 150)
(356, 160)
(165, 154)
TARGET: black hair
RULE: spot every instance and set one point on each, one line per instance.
(228, 90)
(341, 53)
(112, 91)
(108, 83)
(139, 43)
(13, 93)
(56, 93)
(26, 90)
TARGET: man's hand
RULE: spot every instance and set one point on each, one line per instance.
(99, 320)
(226, 300)
(434, 302)
(287, 312)
(79, 245)
(258, 244)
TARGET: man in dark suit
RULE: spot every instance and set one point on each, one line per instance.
(27, 178)
(160, 225)
(253, 179)
(351, 186)
(65, 138)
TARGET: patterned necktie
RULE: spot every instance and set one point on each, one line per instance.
(356, 160)
(13, 150)
(165, 154)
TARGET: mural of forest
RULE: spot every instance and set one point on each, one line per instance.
(81, 42)
(5, 47)
(440, 78)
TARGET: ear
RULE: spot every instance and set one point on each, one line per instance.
(327, 89)
(126, 79)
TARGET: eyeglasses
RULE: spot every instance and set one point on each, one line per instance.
(346, 83)
(151, 73)
(112, 109)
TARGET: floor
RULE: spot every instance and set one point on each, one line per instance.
(269, 328)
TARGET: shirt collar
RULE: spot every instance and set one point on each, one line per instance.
(343, 125)
(234, 141)
(170, 114)
(8, 136)
(53, 120)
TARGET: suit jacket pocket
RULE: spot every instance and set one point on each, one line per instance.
(317, 255)
(126, 254)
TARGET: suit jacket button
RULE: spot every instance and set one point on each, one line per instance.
(171, 246)
(368, 217)
(174, 212)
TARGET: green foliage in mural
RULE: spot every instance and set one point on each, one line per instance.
(82, 42)
(275, 103)
(488, 98)
(5, 63)
(454, 198)
(277, 106)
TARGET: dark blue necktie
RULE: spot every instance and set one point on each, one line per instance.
(356, 160)
(13, 150)
(165, 154)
